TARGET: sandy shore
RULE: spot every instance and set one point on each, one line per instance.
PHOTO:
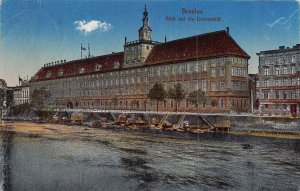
(61, 131)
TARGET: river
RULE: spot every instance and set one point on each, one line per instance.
(57, 157)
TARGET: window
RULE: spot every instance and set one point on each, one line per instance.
(222, 71)
(266, 95)
(60, 72)
(277, 94)
(293, 94)
(222, 86)
(266, 83)
(285, 70)
(277, 71)
(213, 72)
(188, 68)
(266, 71)
(293, 70)
(173, 70)
(222, 102)
(276, 82)
(213, 86)
(186, 86)
(195, 84)
(81, 70)
(98, 67)
(293, 59)
(203, 85)
(204, 66)
(284, 93)
(48, 74)
(285, 82)
(284, 59)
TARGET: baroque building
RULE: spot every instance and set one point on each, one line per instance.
(212, 63)
(279, 81)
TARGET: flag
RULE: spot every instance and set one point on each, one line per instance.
(82, 48)
(20, 79)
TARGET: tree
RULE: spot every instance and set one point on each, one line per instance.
(39, 98)
(114, 101)
(2, 97)
(197, 97)
(134, 103)
(176, 93)
(157, 93)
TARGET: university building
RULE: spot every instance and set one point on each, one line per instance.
(279, 81)
(212, 62)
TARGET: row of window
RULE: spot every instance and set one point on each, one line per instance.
(281, 94)
(277, 60)
(282, 82)
(279, 70)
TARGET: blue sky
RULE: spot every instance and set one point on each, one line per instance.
(35, 32)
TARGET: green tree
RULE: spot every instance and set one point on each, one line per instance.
(157, 93)
(114, 101)
(176, 93)
(39, 98)
(2, 94)
(197, 97)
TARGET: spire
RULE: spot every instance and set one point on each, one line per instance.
(165, 38)
(145, 18)
(145, 30)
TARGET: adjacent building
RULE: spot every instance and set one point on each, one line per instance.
(21, 93)
(212, 63)
(279, 81)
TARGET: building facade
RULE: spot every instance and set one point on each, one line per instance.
(21, 93)
(212, 63)
(279, 81)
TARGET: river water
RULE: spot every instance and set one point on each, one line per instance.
(53, 157)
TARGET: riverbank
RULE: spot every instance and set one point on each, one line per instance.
(47, 129)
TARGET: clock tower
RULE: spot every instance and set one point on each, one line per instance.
(136, 52)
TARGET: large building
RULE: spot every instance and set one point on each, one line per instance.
(213, 63)
(279, 81)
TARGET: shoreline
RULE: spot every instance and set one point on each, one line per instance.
(266, 134)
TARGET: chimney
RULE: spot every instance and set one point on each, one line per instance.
(227, 30)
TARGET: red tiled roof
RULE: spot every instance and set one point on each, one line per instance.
(214, 44)
(72, 68)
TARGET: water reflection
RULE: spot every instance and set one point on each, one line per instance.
(6, 152)
(119, 160)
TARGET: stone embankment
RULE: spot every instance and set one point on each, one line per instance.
(182, 122)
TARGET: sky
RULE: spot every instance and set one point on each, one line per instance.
(36, 32)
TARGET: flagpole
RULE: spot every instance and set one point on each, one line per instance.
(89, 50)
(81, 51)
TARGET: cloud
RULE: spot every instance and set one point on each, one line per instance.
(88, 27)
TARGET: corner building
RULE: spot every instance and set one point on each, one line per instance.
(213, 63)
(279, 81)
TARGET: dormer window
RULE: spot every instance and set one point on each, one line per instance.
(61, 72)
(81, 70)
(98, 67)
(48, 74)
(116, 64)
